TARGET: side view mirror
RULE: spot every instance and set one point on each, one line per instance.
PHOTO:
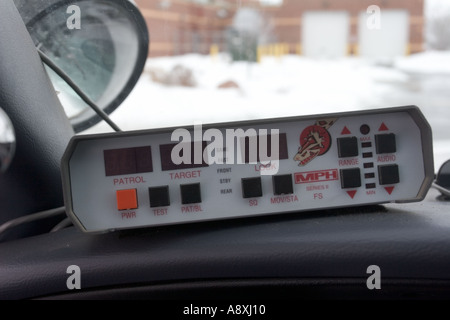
(101, 45)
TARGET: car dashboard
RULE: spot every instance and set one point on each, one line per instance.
(316, 255)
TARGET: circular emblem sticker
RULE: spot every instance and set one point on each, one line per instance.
(314, 141)
(316, 138)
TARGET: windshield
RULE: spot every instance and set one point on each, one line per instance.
(214, 61)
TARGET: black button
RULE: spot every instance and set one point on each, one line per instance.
(351, 178)
(347, 147)
(388, 174)
(385, 143)
(191, 193)
(251, 188)
(282, 184)
(159, 197)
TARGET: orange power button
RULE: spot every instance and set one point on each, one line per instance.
(127, 199)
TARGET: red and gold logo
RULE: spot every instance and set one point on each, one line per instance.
(315, 141)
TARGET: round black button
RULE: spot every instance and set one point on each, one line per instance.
(365, 129)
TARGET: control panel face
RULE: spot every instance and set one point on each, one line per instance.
(161, 177)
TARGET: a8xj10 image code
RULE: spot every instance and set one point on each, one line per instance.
(230, 310)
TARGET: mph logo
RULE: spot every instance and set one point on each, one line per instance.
(316, 176)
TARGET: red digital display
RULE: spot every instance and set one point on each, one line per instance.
(167, 163)
(283, 151)
(128, 161)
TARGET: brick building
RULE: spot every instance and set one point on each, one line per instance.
(184, 26)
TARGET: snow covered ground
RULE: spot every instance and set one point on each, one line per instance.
(290, 86)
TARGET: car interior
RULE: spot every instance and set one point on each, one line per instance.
(243, 241)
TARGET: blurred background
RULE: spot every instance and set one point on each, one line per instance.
(226, 60)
